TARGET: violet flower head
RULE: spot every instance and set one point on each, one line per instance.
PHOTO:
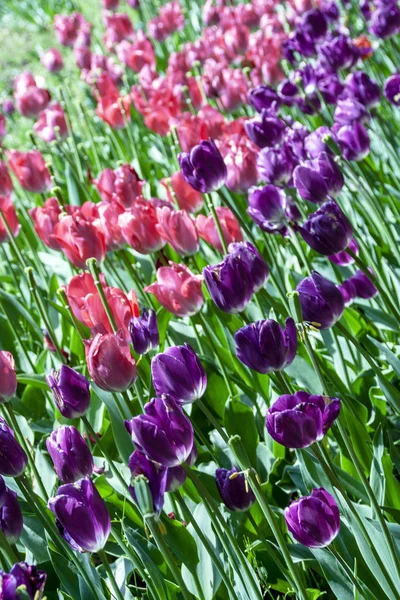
(275, 165)
(363, 285)
(330, 87)
(343, 259)
(81, 516)
(392, 89)
(11, 522)
(22, 575)
(203, 167)
(13, 460)
(299, 420)
(263, 96)
(71, 392)
(164, 433)
(348, 291)
(316, 179)
(314, 24)
(267, 130)
(179, 373)
(349, 110)
(338, 53)
(353, 140)
(267, 208)
(247, 253)
(359, 86)
(265, 346)
(144, 331)
(70, 454)
(156, 475)
(385, 21)
(321, 301)
(234, 490)
(315, 142)
(314, 521)
(327, 230)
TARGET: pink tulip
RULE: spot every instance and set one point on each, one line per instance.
(51, 124)
(213, 119)
(83, 57)
(80, 239)
(67, 27)
(32, 101)
(8, 211)
(3, 130)
(191, 130)
(240, 157)
(110, 4)
(45, 218)
(52, 60)
(188, 198)
(110, 111)
(178, 229)
(121, 185)
(30, 170)
(118, 28)
(6, 186)
(8, 376)
(109, 215)
(22, 82)
(139, 227)
(110, 363)
(208, 231)
(169, 20)
(178, 290)
(136, 54)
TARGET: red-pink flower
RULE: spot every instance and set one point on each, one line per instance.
(52, 60)
(191, 130)
(240, 157)
(30, 170)
(178, 228)
(139, 227)
(109, 361)
(22, 82)
(109, 109)
(51, 124)
(213, 119)
(208, 231)
(136, 54)
(67, 27)
(232, 88)
(86, 305)
(83, 57)
(32, 101)
(6, 186)
(45, 218)
(8, 210)
(170, 19)
(236, 40)
(118, 27)
(110, 4)
(109, 215)
(8, 376)
(121, 185)
(3, 130)
(80, 239)
(188, 198)
(178, 290)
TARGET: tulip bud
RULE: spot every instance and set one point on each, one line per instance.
(363, 285)
(353, 140)
(144, 331)
(327, 230)
(265, 347)
(52, 60)
(349, 110)
(30, 170)
(139, 227)
(321, 301)
(81, 516)
(360, 87)
(8, 376)
(266, 131)
(155, 474)
(348, 291)
(178, 228)
(314, 24)
(392, 89)
(299, 420)
(178, 290)
(71, 392)
(70, 454)
(314, 521)
(234, 491)
(6, 185)
(385, 21)
(318, 178)
(11, 522)
(179, 373)
(230, 284)
(249, 254)
(267, 208)
(263, 96)
(110, 363)
(343, 258)
(275, 165)
(164, 433)
(13, 460)
(187, 198)
(23, 577)
(80, 239)
(203, 167)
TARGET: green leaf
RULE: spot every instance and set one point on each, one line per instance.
(392, 359)
(377, 476)
(121, 436)
(181, 542)
(239, 420)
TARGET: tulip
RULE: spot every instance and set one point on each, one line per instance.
(314, 521)
(230, 284)
(164, 433)
(265, 347)
(110, 363)
(359, 86)
(330, 87)
(139, 227)
(32, 101)
(176, 476)
(137, 55)
(115, 111)
(240, 157)
(266, 131)
(144, 331)
(267, 208)
(7, 210)
(109, 220)
(44, 219)
(80, 239)
(118, 28)
(247, 253)
(208, 231)
(178, 290)
(8, 107)
(385, 21)
(23, 578)
(314, 24)
(363, 285)
(11, 522)
(348, 291)
(179, 373)
(13, 460)
(338, 53)
(187, 198)
(263, 97)
(317, 179)
(155, 474)
(178, 228)
(70, 391)
(51, 124)
(315, 142)
(52, 60)
(299, 420)
(275, 165)
(67, 27)
(6, 185)
(321, 301)
(353, 141)
(121, 185)
(343, 258)
(191, 129)
(30, 170)
(392, 89)
(234, 490)
(349, 110)
(70, 454)
(8, 376)
(327, 230)
(203, 168)
(81, 516)
(170, 19)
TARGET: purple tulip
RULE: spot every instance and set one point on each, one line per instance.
(203, 167)
(267, 208)
(359, 86)
(365, 9)
(267, 130)
(314, 24)
(234, 490)
(275, 165)
(179, 373)
(353, 140)
(331, 11)
(327, 230)
(13, 460)
(348, 291)
(363, 285)
(338, 53)
(349, 110)
(321, 301)
(144, 331)
(315, 142)
(318, 178)
(81, 516)
(11, 522)
(3, 491)
(176, 476)
(314, 521)
(230, 284)
(385, 21)
(70, 454)
(295, 137)
(263, 96)
(343, 258)
(299, 420)
(330, 87)
(288, 92)
(22, 576)
(248, 254)
(156, 475)
(392, 89)
(71, 392)
(265, 347)
(164, 433)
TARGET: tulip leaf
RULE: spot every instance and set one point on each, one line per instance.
(239, 420)
(26, 316)
(181, 542)
(121, 436)
(377, 475)
(392, 359)
(68, 578)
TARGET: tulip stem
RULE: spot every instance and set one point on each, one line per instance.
(211, 206)
(95, 272)
(64, 301)
(348, 571)
(299, 250)
(9, 552)
(114, 585)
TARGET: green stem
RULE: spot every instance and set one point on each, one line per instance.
(211, 206)
(348, 571)
(95, 272)
(8, 550)
(110, 574)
